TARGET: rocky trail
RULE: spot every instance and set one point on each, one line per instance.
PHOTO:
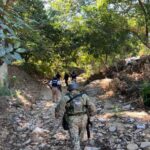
(31, 124)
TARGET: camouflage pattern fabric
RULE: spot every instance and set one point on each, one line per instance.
(77, 130)
(77, 123)
(60, 109)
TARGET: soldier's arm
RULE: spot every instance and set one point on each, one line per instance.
(50, 84)
(90, 105)
(60, 108)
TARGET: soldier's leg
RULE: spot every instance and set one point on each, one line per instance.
(54, 94)
(82, 133)
(74, 135)
(58, 94)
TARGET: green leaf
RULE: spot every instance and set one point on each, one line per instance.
(21, 50)
(8, 59)
(9, 48)
(2, 51)
(2, 35)
(17, 45)
(12, 38)
(7, 28)
(1, 9)
(16, 56)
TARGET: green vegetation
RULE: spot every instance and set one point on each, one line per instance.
(4, 91)
(145, 92)
(52, 36)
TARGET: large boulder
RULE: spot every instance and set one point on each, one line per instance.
(98, 87)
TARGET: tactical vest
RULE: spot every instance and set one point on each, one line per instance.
(75, 105)
(55, 83)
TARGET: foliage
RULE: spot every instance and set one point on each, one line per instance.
(4, 91)
(85, 34)
(137, 14)
(10, 46)
(145, 92)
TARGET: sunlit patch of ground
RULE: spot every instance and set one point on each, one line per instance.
(60, 136)
(105, 116)
(136, 76)
(143, 116)
(48, 104)
(135, 114)
(107, 95)
(23, 100)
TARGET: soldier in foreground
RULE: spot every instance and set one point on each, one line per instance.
(76, 108)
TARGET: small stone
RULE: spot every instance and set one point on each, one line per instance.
(38, 130)
(27, 142)
(145, 144)
(112, 129)
(126, 107)
(102, 120)
(91, 148)
(100, 134)
(141, 126)
(132, 146)
(131, 120)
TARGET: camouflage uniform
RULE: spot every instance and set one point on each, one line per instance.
(77, 123)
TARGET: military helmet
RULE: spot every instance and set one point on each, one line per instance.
(73, 86)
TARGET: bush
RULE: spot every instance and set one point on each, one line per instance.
(29, 68)
(145, 92)
(4, 91)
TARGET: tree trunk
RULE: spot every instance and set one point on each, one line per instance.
(146, 15)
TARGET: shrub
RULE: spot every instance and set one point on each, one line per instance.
(145, 92)
(4, 91)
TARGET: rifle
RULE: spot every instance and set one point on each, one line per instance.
(89, 124)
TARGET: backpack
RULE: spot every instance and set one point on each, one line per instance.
(54, 82)
(75, 105)
(73, 75)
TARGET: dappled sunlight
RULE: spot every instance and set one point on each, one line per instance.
(107, 95)
(138, 115)
(105, 116)
(81, 79)
(48, 104)
(136, 76)
(60, 136)
(105, 83)
(144, 116)
(23, 100)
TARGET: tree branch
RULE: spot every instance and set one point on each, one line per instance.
(142, 40)
(146, 20)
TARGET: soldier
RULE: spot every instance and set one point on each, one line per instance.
(75, 105)
(66, 77)
(55, 85)
(74, 76)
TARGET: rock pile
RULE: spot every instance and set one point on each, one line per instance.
(124, 79)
